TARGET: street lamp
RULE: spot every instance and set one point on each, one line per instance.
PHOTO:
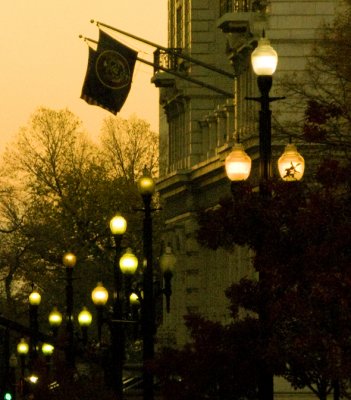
(99, 296)
(22, 350)
(69, 261)
(84, 319)
(264, 61)
(34, 302)
(146, 188)
(127, 264)
(118, 226)
(47, 349)
(55, 320)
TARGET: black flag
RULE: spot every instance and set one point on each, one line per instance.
(109, 74)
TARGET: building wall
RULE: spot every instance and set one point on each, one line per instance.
(198, 128)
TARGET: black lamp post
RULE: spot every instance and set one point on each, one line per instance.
(264, 61)
(69, 261)
(146, 187)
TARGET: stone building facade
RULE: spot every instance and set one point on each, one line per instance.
(198, 127)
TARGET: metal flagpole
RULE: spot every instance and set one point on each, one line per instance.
(175, 73)
(167, 50)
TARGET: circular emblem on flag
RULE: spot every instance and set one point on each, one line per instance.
(112, 69)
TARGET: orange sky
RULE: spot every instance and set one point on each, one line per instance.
(43, 61)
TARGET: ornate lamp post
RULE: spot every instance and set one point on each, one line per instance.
(146, 187)
(264, 61)
(291, 164)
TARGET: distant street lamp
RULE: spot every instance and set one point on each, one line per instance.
(167, 264)
(55, 320)
(34, 302)
(85, 319)
(22, 350)
(99, 296)
(69, 261)
(127, 264)
(47, 349)
(118, 227)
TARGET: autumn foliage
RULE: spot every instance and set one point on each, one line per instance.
(302, 241)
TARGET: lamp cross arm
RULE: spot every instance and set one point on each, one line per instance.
(151, 209)
(269, 99)
(123, 321)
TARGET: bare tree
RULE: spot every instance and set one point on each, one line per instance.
(130, 146)
(62, 190)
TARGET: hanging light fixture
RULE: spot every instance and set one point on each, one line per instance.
(238, 164)
(291, 164)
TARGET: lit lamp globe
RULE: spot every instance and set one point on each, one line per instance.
(85, 318)
(291, 164)
(146, 185)
(264, 58)
(69, 260)
(34, 298)
(238, 164)
(99, 295)
(128, 263)
(22, 347)
(47, 349)
(167, 261)
(55, 318)
(118, 225)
